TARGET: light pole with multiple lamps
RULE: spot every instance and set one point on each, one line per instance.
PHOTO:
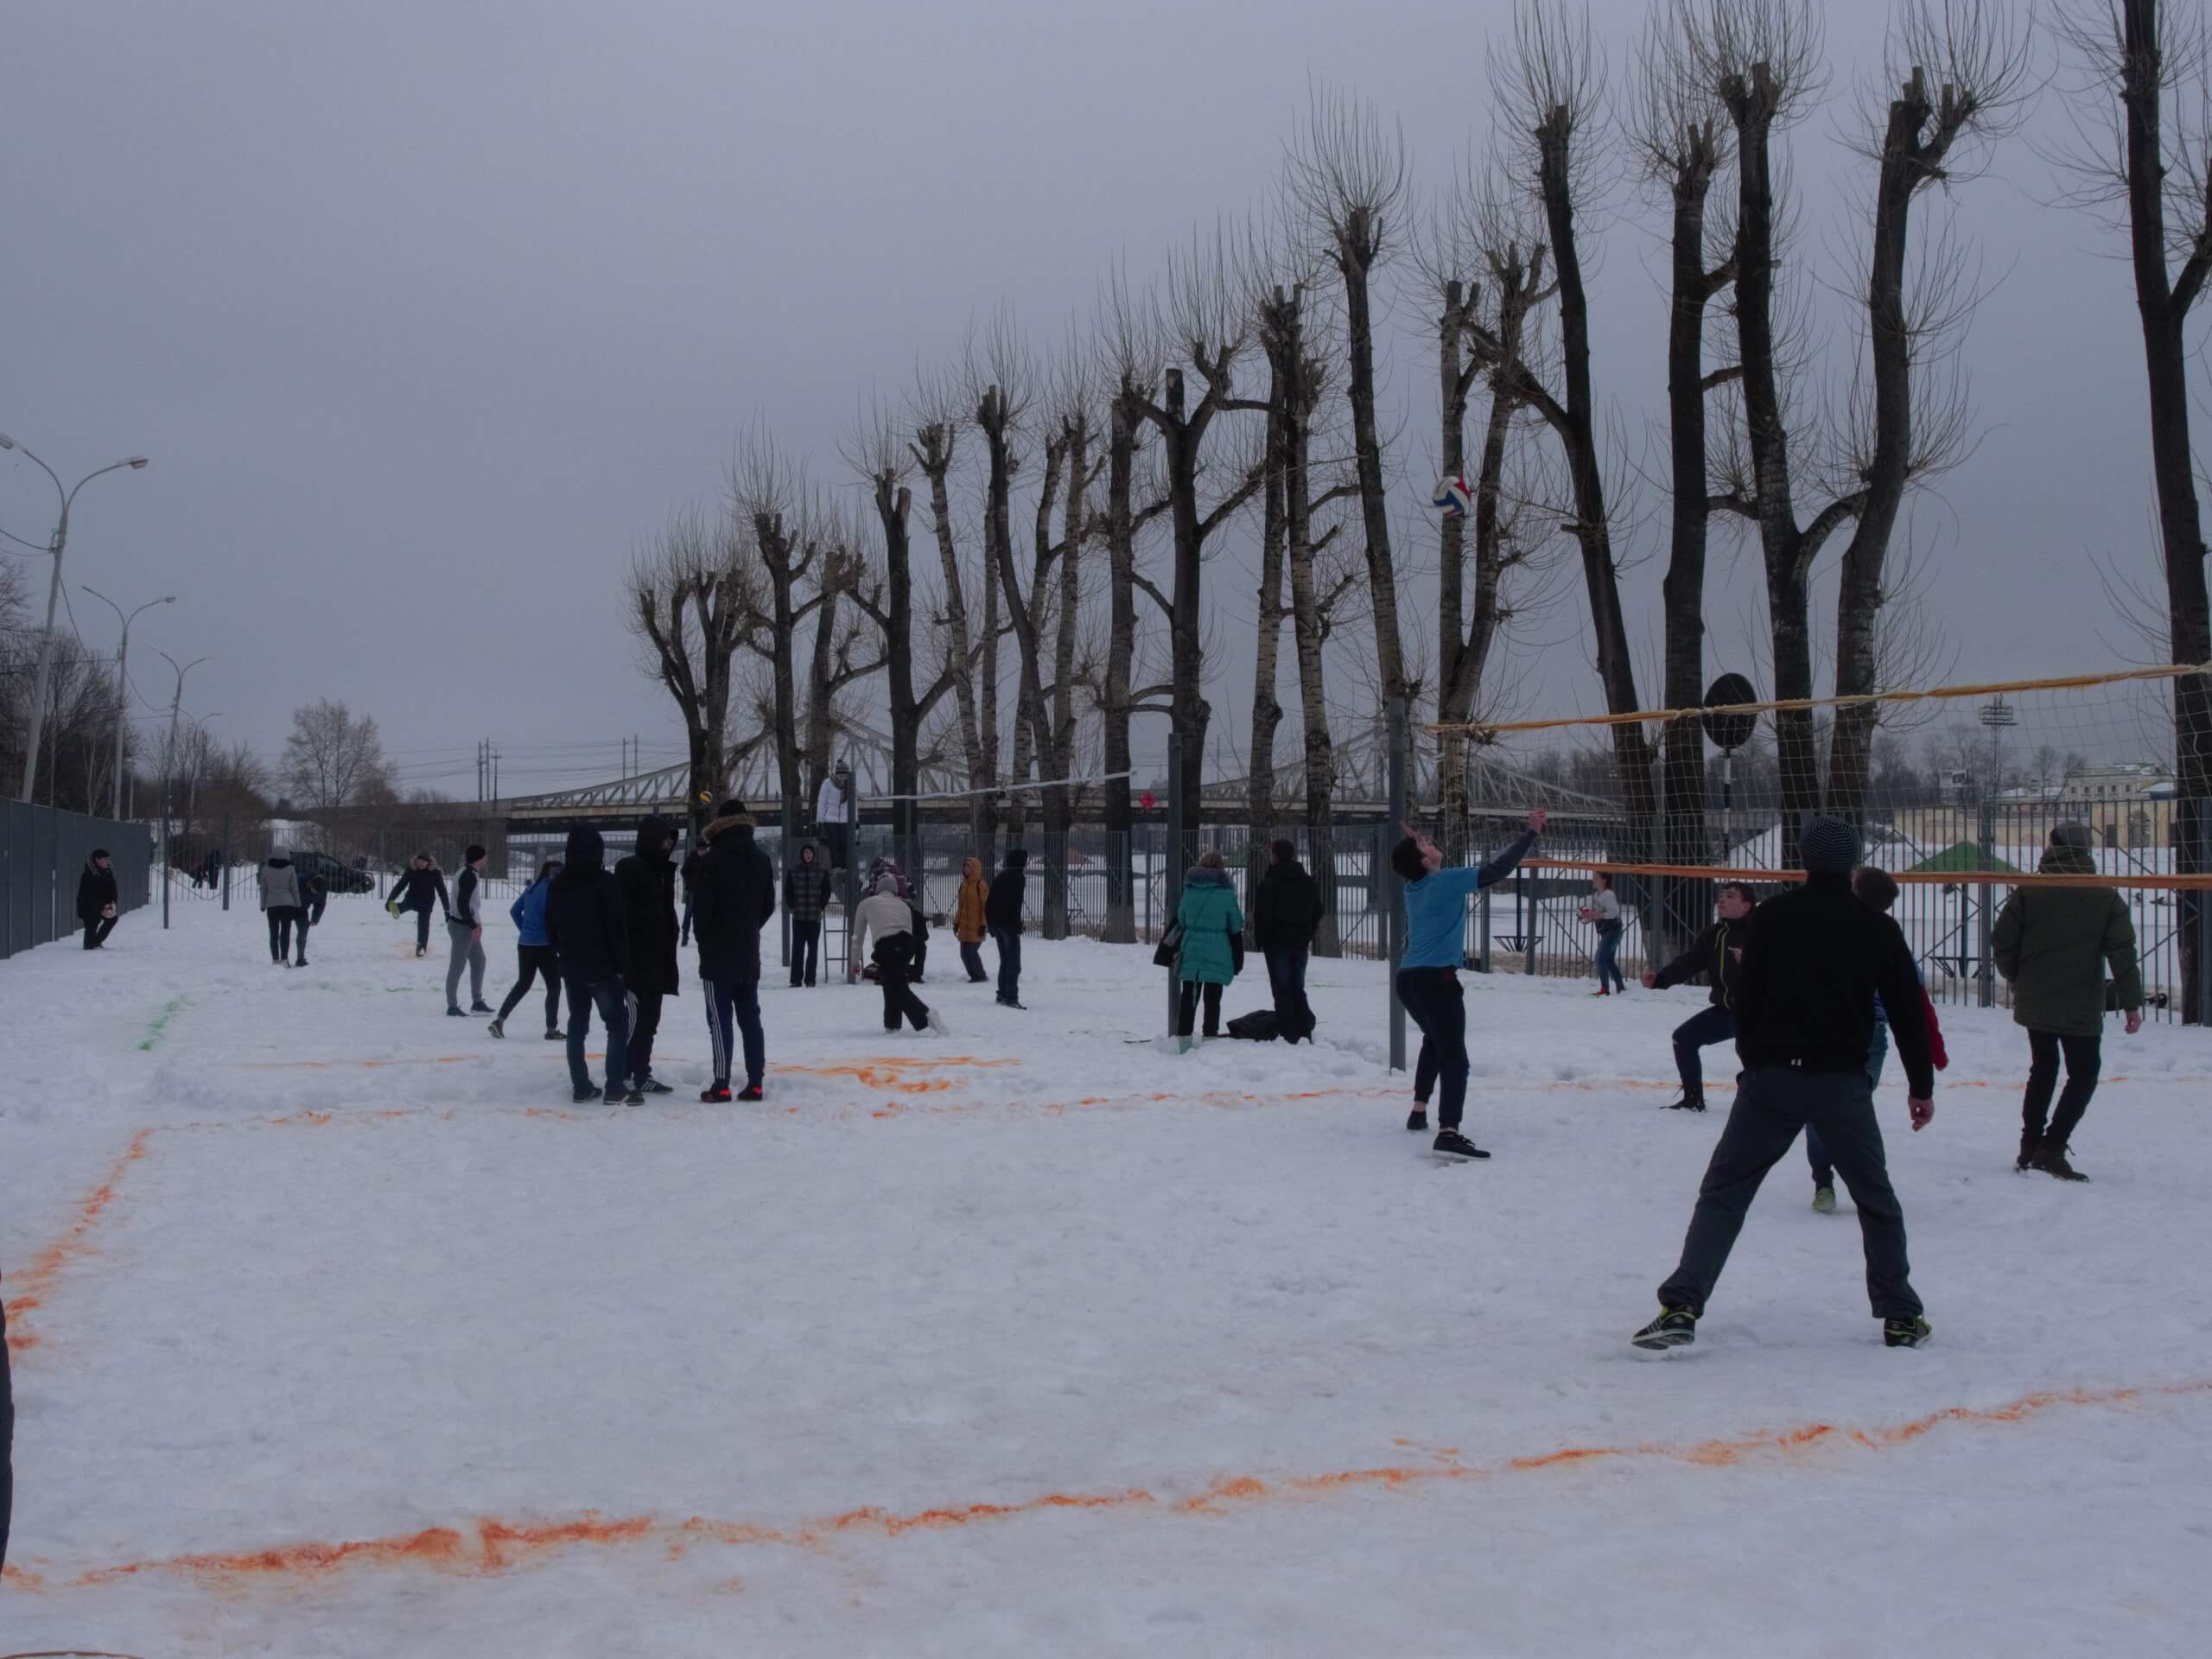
(122, 686)
(169, 773)
(53, 597)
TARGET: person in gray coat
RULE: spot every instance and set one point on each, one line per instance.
(280, 903)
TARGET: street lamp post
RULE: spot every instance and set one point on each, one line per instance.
(168, 774)
(54, 598)
(122, 686)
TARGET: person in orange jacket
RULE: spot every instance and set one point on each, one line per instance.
(969, 923)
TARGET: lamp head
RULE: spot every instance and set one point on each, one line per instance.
(136, 463)
(6, 443)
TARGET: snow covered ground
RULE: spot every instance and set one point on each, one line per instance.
(339, 1331)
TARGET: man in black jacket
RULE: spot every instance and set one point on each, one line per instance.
(589, 930)
(1286, 915)
(647, 878)
(416, 890)
(1002, 914)
(806, 895)
(733, 896)
(1813, 962)
(1717, 953)
(97, 899)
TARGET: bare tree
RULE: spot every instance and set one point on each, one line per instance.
(332, 758)
(839, 572)
(770, 493)
(2147, 79)
(937, 424)
(693, 594)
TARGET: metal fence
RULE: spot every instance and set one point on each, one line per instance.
(44, 851)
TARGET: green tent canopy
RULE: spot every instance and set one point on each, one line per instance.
(1962, 858)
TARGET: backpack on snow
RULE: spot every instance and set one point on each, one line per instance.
(1258, 1027)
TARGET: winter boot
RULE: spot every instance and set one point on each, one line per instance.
(2030, 1148)
(2052, 1161)
(1450, 1143)
(1692, 1100)
(1676, 1327)
(1906, 1333)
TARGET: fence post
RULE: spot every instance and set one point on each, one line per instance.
(1393, 912)
(1983, 975)
(1177, 827)
(225, 865)
(2203, 917)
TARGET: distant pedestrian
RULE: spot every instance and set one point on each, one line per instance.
(1286, 917)
(1212, 948)
(1717, 953)
(734, 894)
(2055, 945)
(280, 905)
(424, 885)
(465, 929)
(1428, 973)
(806, 895)
(589, 929)
(833, 815)
(534, 955)
(888, 916)
(1604, 909)
(1002, 914)
(968, 925)
(647, 878)
(97, 900)
(1813, 962)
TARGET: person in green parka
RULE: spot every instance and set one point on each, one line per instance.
(1207, 959)
(2054, 944)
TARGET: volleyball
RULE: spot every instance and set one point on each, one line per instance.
(1453, 498)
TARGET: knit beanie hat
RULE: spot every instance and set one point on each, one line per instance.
(1828, 846)
(2075, 836)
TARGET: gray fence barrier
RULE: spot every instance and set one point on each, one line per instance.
(42, 854)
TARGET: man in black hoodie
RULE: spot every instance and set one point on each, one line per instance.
(422, 886)
(1813, 962)
(733, 896)
(647, 878)
(1718, 952)
(806, 895)
(1002, 914)
(589, 931)
(97, 899)
(1286, 915)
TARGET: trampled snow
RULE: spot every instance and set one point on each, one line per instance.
(341, 1332)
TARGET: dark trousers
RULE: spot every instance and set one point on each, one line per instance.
(1010, 945)
(737, 1004)
(1435, 1003)
(1703, 1029)
(535, 962)
(422, 930)
(1772, 1105)
(280, 932)
(97, 930)
(971, 958)
(806, 950)
(644, 1026)
(2084, 1059)
(1186, 1006)
(921, 958)
(894, 960)
(1286, 983)
(608, 996)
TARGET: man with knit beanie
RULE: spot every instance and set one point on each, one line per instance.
(1813, 962)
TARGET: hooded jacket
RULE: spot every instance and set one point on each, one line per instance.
(806, 888)
(95, 891)
(968, 925)
(585, 922)
(415, 889)
(883, 916)
(1286, 908)
(1209, 914)
(733, 896)
(280, 884)
(1717, 952)
(2053, 943)
(467, 908)
(528, 912)
(1003, 908)
(648, 882)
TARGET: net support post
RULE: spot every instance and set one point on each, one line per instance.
(1394, 885)
(2204, 902)
(1984, 975)
(1172, 875)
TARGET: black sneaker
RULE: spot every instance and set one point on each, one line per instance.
(620, 1095)
(455, 1014)
(714, 1094)
(1906, 1333)
(473, 1007)
(1450, 1143)
(752, 1092)
(1690, 1101)
(652, 1086)
(1012, 1002)
(1417, 1120)
(588, 1092)
(557, 1036)
(498, 1027)
(2052, 1161)
(1676, 1327)
(2031, 1146)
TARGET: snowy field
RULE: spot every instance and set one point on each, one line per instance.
(339, 1332)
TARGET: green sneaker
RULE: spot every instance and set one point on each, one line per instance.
(1824, 1200)
(1676, 1327)
(1906, 1333)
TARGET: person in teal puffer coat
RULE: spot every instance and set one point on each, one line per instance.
(1207, 959)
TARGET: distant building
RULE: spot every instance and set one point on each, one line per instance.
(2127, 805)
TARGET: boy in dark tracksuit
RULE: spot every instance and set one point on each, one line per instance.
(1718, 952)
(417, 891)
(97, 898)
(1002, 912)
(806, 895)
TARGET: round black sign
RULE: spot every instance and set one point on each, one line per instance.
(1733, 730)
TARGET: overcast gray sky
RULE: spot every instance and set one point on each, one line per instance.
(426, 311)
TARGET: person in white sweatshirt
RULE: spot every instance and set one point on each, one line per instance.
(890, 919)
(833, 814)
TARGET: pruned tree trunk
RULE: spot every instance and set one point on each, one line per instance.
(1125, 422)
(1060, 754)
(933, 450)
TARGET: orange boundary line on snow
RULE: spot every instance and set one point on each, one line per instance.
(498, 1546)
(37, 1280)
